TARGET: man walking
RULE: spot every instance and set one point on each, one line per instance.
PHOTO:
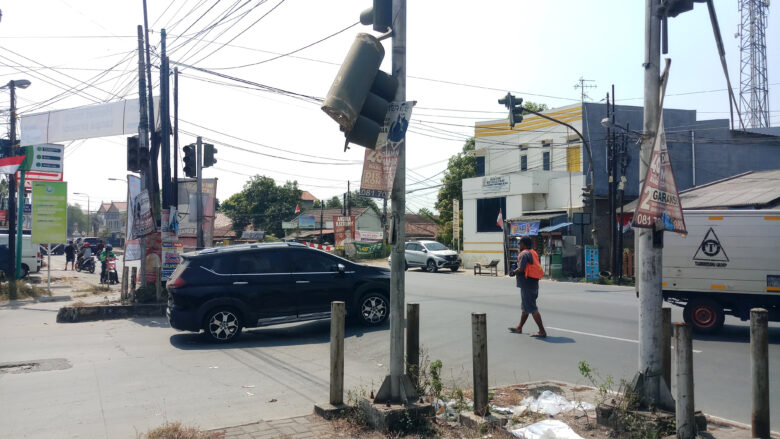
(527, 275)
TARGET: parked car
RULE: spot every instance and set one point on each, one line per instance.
(223, 290)
(430, 255)
(31, 257)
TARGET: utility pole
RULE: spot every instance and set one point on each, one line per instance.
(143, 135)
(610, 180)
(154, 149)
(176, 137)
(199, 190)
(165, 125)
(613, 193)
(649, 242)
(349, 200)
(11, 270)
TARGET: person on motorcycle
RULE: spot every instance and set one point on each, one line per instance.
(105, 255)
(84, 254)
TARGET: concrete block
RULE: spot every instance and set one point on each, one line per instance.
(388, 418)
(477, 422)
(329, 411)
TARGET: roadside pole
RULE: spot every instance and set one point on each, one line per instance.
(48, 267)
(199, 191)
(649, 242)
(143, 137)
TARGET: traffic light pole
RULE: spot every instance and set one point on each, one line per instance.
(199, 190)
(12, 249)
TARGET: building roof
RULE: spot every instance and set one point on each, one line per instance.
(223, 227)
(120, 205)
(103, 207)
(307, 196)
(754, 189)
(328, 214)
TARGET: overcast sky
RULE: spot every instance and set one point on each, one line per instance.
(462, 57)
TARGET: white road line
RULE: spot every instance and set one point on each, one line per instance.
(604, 336)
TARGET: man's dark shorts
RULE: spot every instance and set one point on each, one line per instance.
(68, 258)
(528, 296)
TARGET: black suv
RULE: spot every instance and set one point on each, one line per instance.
(222, 290)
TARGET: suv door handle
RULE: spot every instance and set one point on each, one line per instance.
(240, 283)
(302, 282)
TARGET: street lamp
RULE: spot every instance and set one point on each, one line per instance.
(14, 238)
(89, 223)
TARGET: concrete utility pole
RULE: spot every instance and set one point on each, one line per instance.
(175, 194)
(12, 249)
(165, 125)
(649, 242)
(143, 135)
(199, 190)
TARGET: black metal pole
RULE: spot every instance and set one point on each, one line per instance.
(611, 177)
(165, 126)
(613, 192)
(176, 137)
(11, 270)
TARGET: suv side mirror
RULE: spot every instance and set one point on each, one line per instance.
(425, 250)
(341, 268)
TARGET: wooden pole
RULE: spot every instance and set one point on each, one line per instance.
(337, 353)
(413, 341)
(759, 372)
(480, 362)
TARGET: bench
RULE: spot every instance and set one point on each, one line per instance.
(492, 268)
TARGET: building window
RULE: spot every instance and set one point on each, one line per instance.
(480, 166)
(573, 158)
(523, 162)
(487, 214)
(524, 147)
(546, 143)
(546, 160)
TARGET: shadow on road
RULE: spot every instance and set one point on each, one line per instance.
(295, 334)
(738, 334)
(555, 340)
(152, 322)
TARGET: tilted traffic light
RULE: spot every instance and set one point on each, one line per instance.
(381, 15)
(587, 196)
(208, 155)
(360, 95)
(132, 154)
(515, 107)
(673, 8)
(189, 161)
(143, 158)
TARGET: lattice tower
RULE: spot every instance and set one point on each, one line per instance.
(753, 84)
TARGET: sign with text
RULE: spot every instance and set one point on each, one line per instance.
(49, 212)
(143, 220)
(367, 236)
(153, 261)
(187, 211)
(132, 245)
(306, 222)
(343, 230)
(171, 257)
(43, 158)
(659, 201)
(524, 229)
(591, 263)
(495, 183)
(380, 163)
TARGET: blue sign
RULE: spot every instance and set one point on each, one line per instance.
(524, 229)
(591, 263)
(306, 222)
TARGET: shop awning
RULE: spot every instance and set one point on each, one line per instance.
(538, 216)
(555, 227)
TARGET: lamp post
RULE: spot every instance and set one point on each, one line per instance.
(89, 222)
(12, 215)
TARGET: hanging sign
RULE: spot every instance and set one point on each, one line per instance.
(380, 163)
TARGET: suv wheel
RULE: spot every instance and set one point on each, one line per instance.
(374, 309)
(432, 266)
(222, 325)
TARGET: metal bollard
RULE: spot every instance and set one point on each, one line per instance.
(413, 341)
(480, 364)
(666, 345)
(759, 372)
(337, 353)
(683, 351)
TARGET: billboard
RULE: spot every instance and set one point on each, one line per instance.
(343, 230)
(187, 211)
(132, 245)
(49, 212)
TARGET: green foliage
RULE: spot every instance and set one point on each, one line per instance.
(77, 220)
(262, 204)
(533, 106)
(435, 375)
(460, 166)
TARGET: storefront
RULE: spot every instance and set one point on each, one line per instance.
(549, 232)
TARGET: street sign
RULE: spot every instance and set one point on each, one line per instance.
(44, 158)
(49, 211)
(659, 202)
(456, 219)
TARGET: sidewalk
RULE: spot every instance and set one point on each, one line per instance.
(303, 427)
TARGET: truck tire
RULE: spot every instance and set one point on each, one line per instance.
(705, 316)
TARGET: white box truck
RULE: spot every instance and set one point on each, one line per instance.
(727, 264)
(30, 254)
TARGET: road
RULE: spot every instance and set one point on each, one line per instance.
(115, 378)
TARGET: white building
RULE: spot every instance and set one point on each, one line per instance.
(534, 169)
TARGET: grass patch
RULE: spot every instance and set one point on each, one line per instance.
(24, 290)
(175, 430)
(94, 289)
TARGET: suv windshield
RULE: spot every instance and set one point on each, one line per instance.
(435, 246)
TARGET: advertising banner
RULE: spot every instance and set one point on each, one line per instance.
(153, 260)
(49, 212)
(368, 250)
(367, 236)
(591, 263)
(343, 230)
(306, 222)
(170, 224)
(524, 229)
(171, 257)
(456, 219)
(132, 245)
(379, 164)
(143, 221)
(187, 215)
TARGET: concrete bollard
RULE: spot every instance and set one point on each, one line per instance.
(413, 342)
(158, 284)
(133, 277)
(666, 345)
(480, 364)
(759, 372)
(337, 353)
(124, 294)
(684, 410)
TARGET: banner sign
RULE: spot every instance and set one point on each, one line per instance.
(132, 245)
(368, 250)
(49, 212)
(153, 260)
(171, 257)
(306, 222)
(43, 158)
(379, 164)
(495, 183)
(591, 263)
(169, 221)
(367, 236)
(143, 221)
(188, 217)
(253, 234)
(456, 219)
(343, 230)
(524, 229)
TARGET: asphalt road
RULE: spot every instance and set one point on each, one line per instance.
(116, 378)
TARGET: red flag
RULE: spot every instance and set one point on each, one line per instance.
(500, 219)
(9, 165)
(297, 208)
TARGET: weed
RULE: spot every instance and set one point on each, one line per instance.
(176, 430)
(23, 291)
(94, 289)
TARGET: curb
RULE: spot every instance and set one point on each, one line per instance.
(75, 314)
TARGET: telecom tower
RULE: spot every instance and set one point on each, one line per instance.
(753, 84)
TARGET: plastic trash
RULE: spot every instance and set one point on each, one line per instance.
(501, 410)
(550, 403)
(547, 429)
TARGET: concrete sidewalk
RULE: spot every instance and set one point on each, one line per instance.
(302, 427)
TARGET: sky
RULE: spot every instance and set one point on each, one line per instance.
(461, 58)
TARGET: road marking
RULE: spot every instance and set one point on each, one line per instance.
(604, 336)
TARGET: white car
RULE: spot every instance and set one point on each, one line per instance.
(430, 255)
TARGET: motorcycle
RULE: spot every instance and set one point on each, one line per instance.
(110, 275)
(86, 264)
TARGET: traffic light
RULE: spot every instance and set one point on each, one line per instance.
(673, 8)
(515, 107)
(189, 161)
(132, 154)
(360, 95)
(208, 155)
(587, 197)
(143, 158)
(381, 15)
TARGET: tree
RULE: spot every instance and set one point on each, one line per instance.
(334, 203)
(460, 166)
(356, 200)
(262, 204)
(533, 106)
(77, 221)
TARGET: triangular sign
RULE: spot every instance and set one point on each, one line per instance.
(710, 250)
